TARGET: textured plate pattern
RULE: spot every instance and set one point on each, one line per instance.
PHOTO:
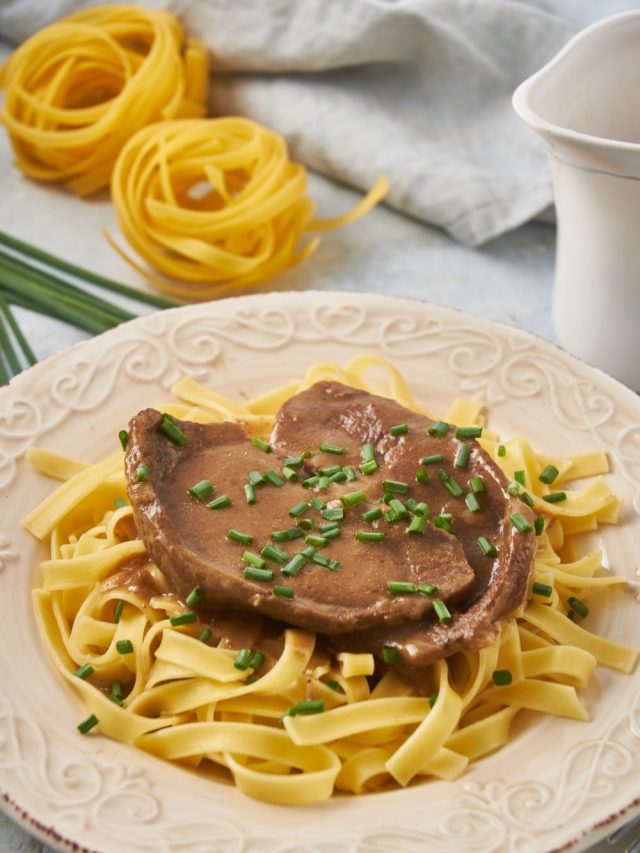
(551, 787)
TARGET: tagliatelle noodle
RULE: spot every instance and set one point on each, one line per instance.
(216, 204)
(185, 700)
(77, 90)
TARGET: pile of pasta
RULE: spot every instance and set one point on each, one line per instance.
(184, 699)
(76, 91)
(215, 204)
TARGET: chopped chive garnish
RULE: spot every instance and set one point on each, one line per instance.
(294, 565)
(117, 613)
(350, 473)
(433, 699)
(520, 523)
(274, 478)
(195, 597)
(249, 494)
(370, 467)
(261, 444)
(526, 498)
(399, 429)
(486, 547)
(205, 636)
(308, 552)
(275, 554)
(310, 482)
(468, 432)
(115, 692)
(123, 435)
(253, 559)
(84, 671)
(315, 540)
(317, 503)
(289, 473)
(368, 453)
(438, 430)
(390, 516)
(86, 725)
(124, 647)
(452, 486)
(338, 477)
(293, 461)
(555, 497)
(472, 502)
(519, 477)
(201, 490)
(369, 536)
(417, 524)
(332, 533)
(411, 504)
(502, 677)
(330, 470)
(326, 526)
(242, 659)
(462, 456)
(333, 685)
(390, 654)
(502, 450)
(283, 591)
(253, 573)
(287, 535)
(444, 521)
(396, 487)
(542, 589)
(142, 473)
(333, 448)
(298, 509)
(255, 478)
(323, 482)
(237, 536)
(427, 589)
(325, 562)
(398, 508)
(422, 508)
(401, 588)
(185, 618)
(539, 525)
(422, 476)
(432, 460)
(257, 659)
(442, 611)
(119, 503)
(513, 489)
(579, 606)
(549, 474)
(476, 484)
(333, 514)
(372, 514)
(350, 499)
(170, 428)
(305, 524)
(305, 706)
(571, 614)
(221, 502)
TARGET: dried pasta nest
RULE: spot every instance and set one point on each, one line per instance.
(216, 203)
(76, 91)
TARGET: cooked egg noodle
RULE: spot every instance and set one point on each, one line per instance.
(186, 701)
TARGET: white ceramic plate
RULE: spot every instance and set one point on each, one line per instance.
(558, 783)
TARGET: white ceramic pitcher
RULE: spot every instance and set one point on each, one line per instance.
(586, 105)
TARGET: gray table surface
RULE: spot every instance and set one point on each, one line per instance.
(509, 280)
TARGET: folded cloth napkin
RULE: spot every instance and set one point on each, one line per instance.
(418, 90)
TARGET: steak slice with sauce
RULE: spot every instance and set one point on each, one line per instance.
(348, 417)
(188, 541)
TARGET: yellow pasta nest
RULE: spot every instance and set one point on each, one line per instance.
(77, 90)
(214, 203)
